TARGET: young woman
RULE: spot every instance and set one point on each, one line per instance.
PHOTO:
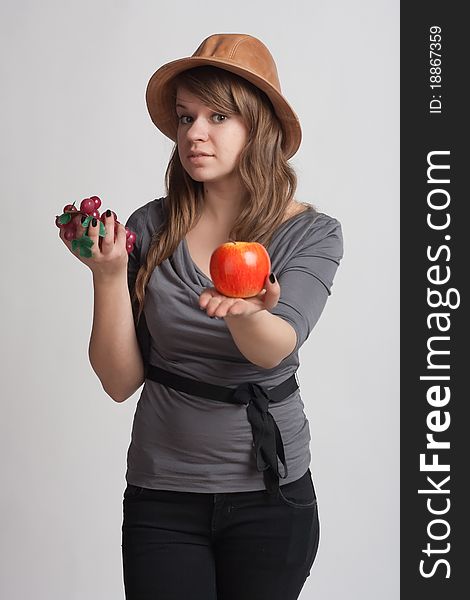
(219, 502)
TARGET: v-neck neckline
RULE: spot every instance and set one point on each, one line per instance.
(188, 253)
(278, 230)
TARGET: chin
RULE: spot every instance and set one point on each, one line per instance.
(196, 178)
(198, 175)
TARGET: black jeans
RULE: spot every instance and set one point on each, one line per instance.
(219, 546)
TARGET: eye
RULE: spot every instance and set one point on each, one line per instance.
(183, 117)
(219, 115)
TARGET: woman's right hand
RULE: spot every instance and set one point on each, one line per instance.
(111, 259)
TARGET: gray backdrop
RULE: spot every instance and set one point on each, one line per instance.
(74, 124)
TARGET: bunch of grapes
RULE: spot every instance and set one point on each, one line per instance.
(89, 210)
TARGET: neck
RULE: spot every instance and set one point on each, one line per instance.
(222, 204)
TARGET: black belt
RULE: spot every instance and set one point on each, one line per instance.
(267, 441)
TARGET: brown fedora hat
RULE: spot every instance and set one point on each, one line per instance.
(241, 54)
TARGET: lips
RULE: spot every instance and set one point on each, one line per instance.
(198, 152)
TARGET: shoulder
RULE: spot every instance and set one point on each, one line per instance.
(324, 224)
(147, 219)
(325, 232)
(314, 232)
(144, 222)
(153, 211)
(310, 244)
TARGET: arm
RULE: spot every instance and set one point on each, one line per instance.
(118, 349)
(113, 350)
(270, 327)
(262, 338)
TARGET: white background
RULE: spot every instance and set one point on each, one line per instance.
(74, 124)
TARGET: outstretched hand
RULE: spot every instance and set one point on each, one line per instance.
(218, 305)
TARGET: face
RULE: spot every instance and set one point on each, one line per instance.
(201, 130)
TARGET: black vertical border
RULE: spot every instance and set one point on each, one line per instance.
(421, 133)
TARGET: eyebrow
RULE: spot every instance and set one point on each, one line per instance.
(186, 108)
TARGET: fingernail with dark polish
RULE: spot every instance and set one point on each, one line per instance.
(83, 218)
(272, 278)
(94, 222)
(108, 213)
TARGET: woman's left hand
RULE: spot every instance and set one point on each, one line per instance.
(218, 305)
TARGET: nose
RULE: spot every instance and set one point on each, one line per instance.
(198, 130)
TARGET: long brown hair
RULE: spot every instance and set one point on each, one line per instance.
(268, 179)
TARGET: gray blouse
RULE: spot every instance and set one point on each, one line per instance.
(188, 443)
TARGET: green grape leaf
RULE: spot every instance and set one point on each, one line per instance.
(86, 222)
(86, 252)
(83, 244)
(86, 241)
(64, 218)
(102, 229)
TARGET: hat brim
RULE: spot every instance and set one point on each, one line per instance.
(160, 102)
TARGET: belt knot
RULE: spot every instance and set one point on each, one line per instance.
(248, 392)
(267, 441)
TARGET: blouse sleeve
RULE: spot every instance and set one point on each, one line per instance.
(307, 277)
(136, 222)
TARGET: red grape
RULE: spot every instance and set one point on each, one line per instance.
(69, 231)
(96, 200)
(87, 206)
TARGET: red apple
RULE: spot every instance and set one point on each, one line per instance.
(239, 269)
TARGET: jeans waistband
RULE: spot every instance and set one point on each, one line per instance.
(267, 441)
